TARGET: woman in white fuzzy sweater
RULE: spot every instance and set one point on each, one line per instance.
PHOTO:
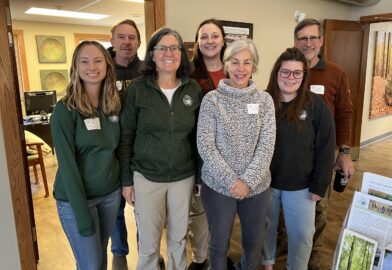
(236, 137)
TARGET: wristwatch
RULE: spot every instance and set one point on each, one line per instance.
(344, 150)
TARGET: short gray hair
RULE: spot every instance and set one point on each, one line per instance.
(308, 22)
(238, 46)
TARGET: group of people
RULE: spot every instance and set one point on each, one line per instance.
(193, 143)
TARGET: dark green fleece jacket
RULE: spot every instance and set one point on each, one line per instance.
(87, 164)
(158, 139)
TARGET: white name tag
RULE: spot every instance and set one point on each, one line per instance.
(253, 108)
(119, 85)
(92, 123)
(317, 89)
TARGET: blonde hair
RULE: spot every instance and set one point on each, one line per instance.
(76, 97)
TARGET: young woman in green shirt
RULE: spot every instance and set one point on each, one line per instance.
(86, 132)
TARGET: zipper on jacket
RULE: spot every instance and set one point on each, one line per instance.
(171, 122)
(172, 131)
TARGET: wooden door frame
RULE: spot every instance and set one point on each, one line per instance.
(11, 119)
(83, 36)
(154, 14)
(365, 21)
(22, 51)
(329, 27)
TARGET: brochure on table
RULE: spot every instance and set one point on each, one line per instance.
(356, 251)
(370, 216)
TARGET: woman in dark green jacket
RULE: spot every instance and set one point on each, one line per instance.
(157, 149)
(86, 132)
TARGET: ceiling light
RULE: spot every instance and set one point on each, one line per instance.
(136, 1)
(65, 13)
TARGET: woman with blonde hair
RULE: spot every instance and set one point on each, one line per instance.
(86, 132)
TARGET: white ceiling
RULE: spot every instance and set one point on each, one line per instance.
(117, 9)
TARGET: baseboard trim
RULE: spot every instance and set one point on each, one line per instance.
(376, 139)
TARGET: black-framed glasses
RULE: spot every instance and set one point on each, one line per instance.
(297, 74)
(312, 39)
(162, 49)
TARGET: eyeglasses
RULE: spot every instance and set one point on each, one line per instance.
(312, 39)
(285, 73)
(161, 49)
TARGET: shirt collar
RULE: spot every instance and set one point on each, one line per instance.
(321, 63)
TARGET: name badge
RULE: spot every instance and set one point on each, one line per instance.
(119, 85)
(253, 108)
(317, 89)
(92, 123)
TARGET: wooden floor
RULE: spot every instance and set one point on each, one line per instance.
(56, 254)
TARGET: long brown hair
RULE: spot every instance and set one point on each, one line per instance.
(197, 58)
(303, 94)
(76, 97)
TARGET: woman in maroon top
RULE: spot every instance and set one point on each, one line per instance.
(207, 59)
(208, 53)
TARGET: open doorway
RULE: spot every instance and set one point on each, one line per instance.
(29, 80)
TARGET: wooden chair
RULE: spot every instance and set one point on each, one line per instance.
(38, 159)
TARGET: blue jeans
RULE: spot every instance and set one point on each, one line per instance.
(221, 211)
(299, 213)
(91, 252)
(119, 235)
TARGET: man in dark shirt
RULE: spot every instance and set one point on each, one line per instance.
(125, 41)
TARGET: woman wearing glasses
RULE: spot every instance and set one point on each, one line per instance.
(158, 155)
(303, 158)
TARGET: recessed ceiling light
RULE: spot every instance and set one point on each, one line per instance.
(65, 13)
(136, 1)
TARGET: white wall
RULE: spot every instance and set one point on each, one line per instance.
(9, 253)
(385, 6)
(273, 22)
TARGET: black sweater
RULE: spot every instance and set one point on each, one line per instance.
(124, 75)
(304, 158)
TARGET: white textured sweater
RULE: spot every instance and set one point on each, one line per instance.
(236, 137)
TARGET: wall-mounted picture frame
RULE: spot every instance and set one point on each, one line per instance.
(237, 30)
(54, 79)
(190, 46)
(381, 92)
(51, 49)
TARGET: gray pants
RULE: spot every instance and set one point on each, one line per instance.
(221, 211)
(198, 230)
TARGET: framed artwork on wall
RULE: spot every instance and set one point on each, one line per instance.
(237, 30)
(189, 48)
(54, 80)
(51, 49)
(381, 91)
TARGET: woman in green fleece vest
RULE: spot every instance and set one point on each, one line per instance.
(157, 149)
(86, 132)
